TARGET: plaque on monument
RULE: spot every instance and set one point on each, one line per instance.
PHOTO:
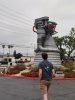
(45, 42)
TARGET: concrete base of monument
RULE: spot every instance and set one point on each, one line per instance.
(53, 57)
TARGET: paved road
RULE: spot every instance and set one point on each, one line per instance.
(25, 89)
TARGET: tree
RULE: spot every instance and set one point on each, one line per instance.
(66, 44)
(69, 42)
(59, 43)
(3, 46)
(14, 53)
(9, 48)
(17, 55)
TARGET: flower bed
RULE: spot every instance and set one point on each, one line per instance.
(15, 69)
(30, 74)
(12, 71)
(69, 74)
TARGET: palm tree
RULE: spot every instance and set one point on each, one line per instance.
(3, 46)
(9, 46)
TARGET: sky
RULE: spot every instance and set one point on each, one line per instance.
(17, 20)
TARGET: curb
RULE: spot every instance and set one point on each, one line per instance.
(23, 77)
(63, 78)
(33, 78)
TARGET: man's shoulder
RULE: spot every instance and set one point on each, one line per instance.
(50, 63)
(40, 62)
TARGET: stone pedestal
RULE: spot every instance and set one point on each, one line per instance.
(52, 56)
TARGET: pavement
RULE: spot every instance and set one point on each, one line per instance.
(27, 89)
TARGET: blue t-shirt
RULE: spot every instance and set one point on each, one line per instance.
(46, 67)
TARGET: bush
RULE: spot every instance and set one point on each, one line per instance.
(20, 67)
(58, 69)
(69, 66)
(29, 65)
(69, 69)
(12, 71)
(34, 69)
(69, 63)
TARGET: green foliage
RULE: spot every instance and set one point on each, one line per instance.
(59, 43)
(69, 69)
(30, 65)
(12, 71)
(68, 63)
(14, 53)
(17, 55)
(20, 67)
(69, 42)
(34, 69)
(66, 44)
(69, 66)
(58, 70)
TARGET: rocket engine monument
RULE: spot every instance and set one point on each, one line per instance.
(45, 42)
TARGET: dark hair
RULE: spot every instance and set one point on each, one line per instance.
(44, 56)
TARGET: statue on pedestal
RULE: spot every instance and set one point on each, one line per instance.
(45, 42)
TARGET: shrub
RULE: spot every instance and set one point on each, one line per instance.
(12, 71)
(58, 69)
(69, 66)
(20, 67)
(69, 69)
(29, 65)
(68, 63)
(34, 69)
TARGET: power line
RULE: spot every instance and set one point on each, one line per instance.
(18, 14)
(14, 18)
(3, 29)
(15, 45)
(9, 26)
(8, 16)
(15, 25)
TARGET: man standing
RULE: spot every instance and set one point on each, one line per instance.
(45, 75)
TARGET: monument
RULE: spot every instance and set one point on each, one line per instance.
(45, 42)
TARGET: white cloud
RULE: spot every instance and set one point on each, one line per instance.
(21, 13)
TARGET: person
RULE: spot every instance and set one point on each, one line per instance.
(45, 75)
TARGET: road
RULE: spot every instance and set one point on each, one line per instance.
(25, 89)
